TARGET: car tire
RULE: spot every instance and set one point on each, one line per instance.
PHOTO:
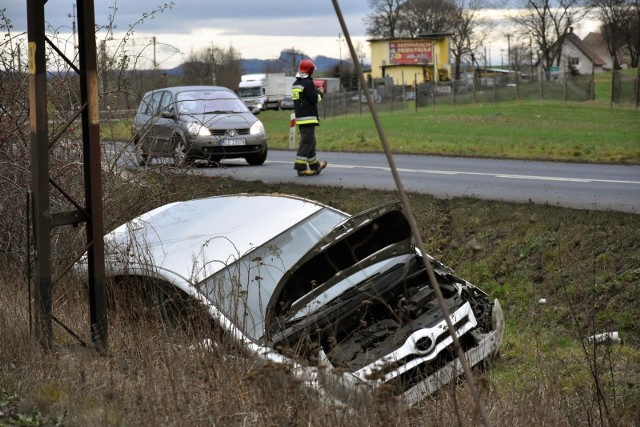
(258, 159)
(142, 155)
(179, 151)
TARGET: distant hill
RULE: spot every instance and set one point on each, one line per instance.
(286, 63)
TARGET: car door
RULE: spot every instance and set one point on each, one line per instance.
(165, 123)
(144, 122)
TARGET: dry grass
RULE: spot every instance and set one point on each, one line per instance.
(516, 252)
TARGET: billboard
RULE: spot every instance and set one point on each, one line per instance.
(411, 52)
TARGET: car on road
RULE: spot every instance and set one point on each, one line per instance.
(197, 122)
(344, 300)
(286, 103)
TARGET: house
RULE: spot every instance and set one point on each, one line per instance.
(575, 56)
(598, 45)
(595, 42)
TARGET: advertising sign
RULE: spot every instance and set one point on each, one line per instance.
(411, 52)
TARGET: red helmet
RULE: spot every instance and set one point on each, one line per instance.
(306, 66)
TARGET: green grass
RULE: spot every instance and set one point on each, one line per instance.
(589, 132)
(575, 132)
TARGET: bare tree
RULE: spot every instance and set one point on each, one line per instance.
(428, 16)
(213, 66)
(385, 19)
(545, 21)
(466, 31)
(620, 27)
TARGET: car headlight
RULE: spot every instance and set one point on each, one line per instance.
(198, 129)
(256, 128)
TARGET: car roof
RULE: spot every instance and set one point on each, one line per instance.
(177, 89)
(190, 240)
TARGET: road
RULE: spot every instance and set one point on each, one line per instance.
(574, 185)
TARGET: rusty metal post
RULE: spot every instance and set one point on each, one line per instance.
(43, 219)
(92, 174)
(38, 122)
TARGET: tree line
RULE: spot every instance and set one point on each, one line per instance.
(537, 25)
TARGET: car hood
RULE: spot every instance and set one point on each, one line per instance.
(223, 120)
(364, 239)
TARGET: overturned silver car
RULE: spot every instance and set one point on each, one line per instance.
(344, 300)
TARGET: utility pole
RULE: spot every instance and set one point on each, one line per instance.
(73, 28)
(509, 54)
(155, 63)
(213, 66)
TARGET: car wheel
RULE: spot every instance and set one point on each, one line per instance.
(179, 151)
(142, 155)
(257, 159)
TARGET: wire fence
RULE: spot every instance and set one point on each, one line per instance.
(489, 87)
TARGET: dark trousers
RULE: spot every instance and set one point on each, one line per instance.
(306, 154)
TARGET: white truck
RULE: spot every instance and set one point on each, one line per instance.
(264, 91)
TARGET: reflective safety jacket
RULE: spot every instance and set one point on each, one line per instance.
(305, 101)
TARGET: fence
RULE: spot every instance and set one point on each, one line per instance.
(622, 88)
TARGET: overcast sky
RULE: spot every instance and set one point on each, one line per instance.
(256, 28)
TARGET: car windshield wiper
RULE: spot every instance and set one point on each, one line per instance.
(219, 112)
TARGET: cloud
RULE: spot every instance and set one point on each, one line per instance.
(256, 28)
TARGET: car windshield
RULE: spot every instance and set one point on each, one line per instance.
(209, 102)
(249, 91)
(242, 290)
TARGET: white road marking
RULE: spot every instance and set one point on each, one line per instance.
(495, 175)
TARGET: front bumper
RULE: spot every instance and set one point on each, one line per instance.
(341, 387)
(229, 147)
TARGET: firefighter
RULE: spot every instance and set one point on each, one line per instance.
(305, 101)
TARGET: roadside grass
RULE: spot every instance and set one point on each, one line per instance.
(584, 263)
(555, 131)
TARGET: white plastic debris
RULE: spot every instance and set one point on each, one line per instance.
(542, 301)
(605, 338)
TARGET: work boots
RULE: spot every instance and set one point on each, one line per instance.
(311, 172)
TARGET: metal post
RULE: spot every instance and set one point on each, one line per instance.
(92, 175)
(40, 170)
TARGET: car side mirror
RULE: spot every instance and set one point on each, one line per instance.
(167, 114)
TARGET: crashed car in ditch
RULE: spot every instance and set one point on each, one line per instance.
(344, 300)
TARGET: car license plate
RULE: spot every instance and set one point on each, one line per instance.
(228, 142)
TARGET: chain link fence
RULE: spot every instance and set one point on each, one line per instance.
(625, 88)
(489, 86)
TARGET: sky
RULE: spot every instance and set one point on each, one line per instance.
(258, 29)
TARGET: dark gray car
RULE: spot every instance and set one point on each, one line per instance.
(197, 122)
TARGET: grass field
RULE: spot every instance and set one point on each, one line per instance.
(575, 132)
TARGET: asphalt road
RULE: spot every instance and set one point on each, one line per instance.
(574, 185)
(582, 186)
